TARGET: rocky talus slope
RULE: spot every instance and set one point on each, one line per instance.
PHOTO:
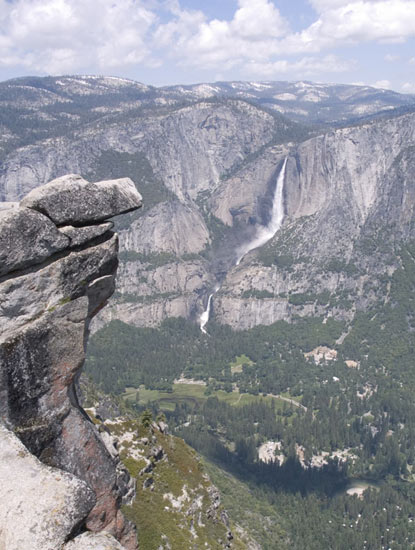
(177, 506)
(62, 485)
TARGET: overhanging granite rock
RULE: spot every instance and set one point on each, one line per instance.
(52, 282)
(81, 235)
(72, 200)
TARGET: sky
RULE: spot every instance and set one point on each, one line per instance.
(163, 42)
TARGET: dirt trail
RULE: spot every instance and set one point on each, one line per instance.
(288, 400)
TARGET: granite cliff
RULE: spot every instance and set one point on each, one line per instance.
(349, 204)
(207, 159)
(62, 484)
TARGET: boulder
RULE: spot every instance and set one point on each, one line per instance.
(94, 541)
(40, 506)
(72, 200)
(27, 238)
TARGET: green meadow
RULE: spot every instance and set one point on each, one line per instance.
(194, 395)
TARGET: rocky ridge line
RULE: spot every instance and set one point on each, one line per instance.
(58, 260)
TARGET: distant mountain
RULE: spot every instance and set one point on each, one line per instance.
(305, 101)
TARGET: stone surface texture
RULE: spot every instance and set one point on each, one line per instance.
(49, 292)
(27, 238)
(93, 541)
(71, 199)
(81, 235)
(40, 506)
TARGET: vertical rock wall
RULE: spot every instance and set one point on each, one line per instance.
(57, 269)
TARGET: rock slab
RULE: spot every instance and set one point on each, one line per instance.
(94, 541)
(81, 235)
(26, 238)
(72, 200)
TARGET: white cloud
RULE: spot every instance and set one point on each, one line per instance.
(412, 61)
(58, 36)
(355, 22)
(384, 84)
(258, 35)
(391, 58)
(63, 36)
(408, 88)
(323, 5)
(252, 33)
(258, 20)
(305, 67)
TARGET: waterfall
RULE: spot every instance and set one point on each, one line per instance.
(204, 318)
(266, 232)
(262, 236)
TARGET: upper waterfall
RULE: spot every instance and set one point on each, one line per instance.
(266, 232)
(262, 236)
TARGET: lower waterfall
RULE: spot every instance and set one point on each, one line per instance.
(204, 318)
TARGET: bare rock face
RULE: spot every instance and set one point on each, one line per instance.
(53, 282)
(190, 152)
(169, 227)
(40, 506)
(81, 235)
(90, 541)
(348, 201)
(27, 238)
(210, 173)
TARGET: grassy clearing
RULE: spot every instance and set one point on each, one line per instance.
(194, 395)
(297, 398)
(242, 360)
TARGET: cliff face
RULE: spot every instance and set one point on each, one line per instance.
(349, 200)
(58, 265)
(208, 172)
(186, 152)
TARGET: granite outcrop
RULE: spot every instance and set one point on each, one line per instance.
(57, 269)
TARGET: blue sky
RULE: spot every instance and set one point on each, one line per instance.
(164, 42)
